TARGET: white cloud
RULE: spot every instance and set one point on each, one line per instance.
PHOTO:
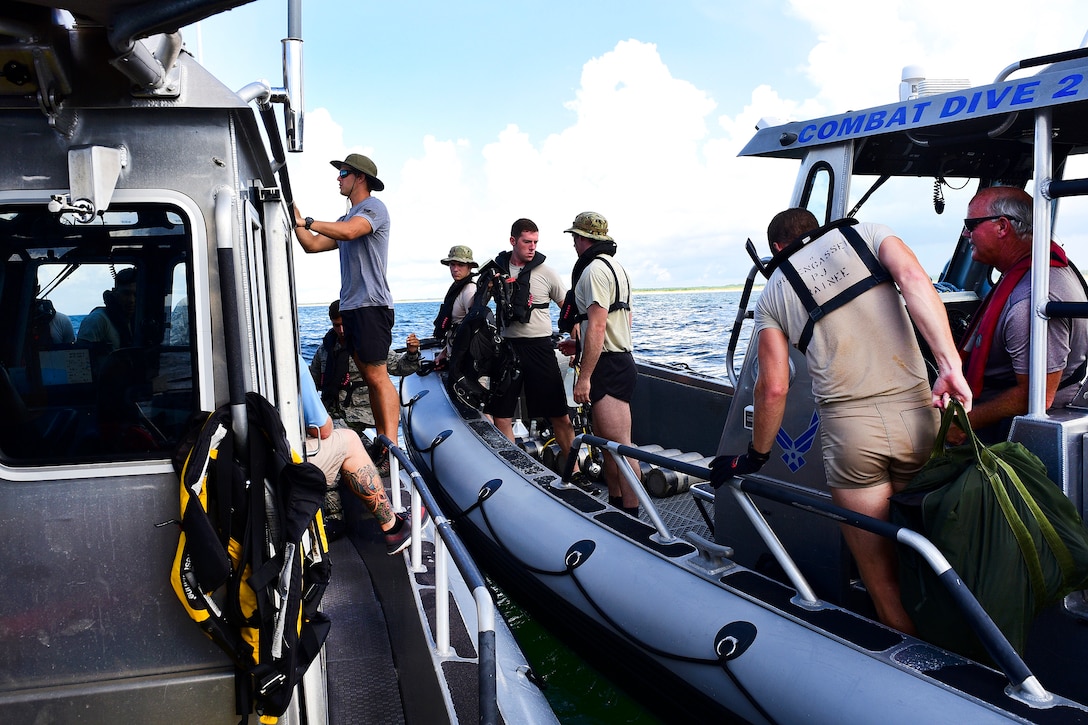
(863, 46)
(657, 155)
(638, 153)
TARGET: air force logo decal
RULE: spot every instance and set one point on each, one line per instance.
(794, 449)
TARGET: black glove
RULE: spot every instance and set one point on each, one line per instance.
(725, 467)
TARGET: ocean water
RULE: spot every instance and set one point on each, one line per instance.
(672, 328)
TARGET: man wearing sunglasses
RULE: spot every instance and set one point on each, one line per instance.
(996, 347)
(366, 304)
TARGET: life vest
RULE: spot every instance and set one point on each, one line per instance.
(975, 349)
(518, 305)
(822, 290)
(568, 312)
(252, 561)
(443, 323)
(483, 363)
(335, 376)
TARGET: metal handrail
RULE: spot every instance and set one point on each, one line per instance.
(449, 543)
(628, 473)
(738, 322)
(1023, 683)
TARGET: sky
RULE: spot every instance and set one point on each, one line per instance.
(480, 112)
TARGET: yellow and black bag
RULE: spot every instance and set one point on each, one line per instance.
(252, 560)
(1011, 534)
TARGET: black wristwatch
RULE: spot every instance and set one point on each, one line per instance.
(309, 221)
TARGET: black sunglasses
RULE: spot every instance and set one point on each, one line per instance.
(346, 172)
(970, 224)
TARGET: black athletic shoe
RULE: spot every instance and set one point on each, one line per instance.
(396, 543)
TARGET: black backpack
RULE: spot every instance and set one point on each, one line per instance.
(252, 561)
(483, 364)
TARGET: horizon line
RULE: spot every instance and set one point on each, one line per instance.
(646, 290)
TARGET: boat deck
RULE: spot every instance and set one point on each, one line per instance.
(362, 681)
(679, 512)
(378, 658)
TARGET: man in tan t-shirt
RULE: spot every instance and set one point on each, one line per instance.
(607, 374)
(877, 416)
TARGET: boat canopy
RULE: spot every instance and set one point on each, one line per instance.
(143, 18)
(983, 132)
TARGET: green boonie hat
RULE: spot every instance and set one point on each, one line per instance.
(462, 254)
(363, 165)
(591, 225)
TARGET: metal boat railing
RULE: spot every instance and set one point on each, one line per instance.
(1024, 686)
(742, 315)
(449, 545)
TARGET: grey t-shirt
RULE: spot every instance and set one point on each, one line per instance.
(364, 261)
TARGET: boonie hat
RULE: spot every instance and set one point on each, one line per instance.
(363, 165)
(591, 225)
(462, 254)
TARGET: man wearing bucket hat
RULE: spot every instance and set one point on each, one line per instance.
(458, 298)
(606, 375)
(366, 304)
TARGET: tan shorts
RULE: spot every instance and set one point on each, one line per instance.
(870, 445)
(330, 456)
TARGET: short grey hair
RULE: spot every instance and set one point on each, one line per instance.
(1017, 208)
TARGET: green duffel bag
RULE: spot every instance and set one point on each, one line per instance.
(1011, 534)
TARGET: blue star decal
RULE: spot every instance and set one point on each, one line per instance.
(794, 450)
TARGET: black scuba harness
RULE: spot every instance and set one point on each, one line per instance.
(443, 323)
(520, 309)
(335, 374)
(568, 312)
(816, 311)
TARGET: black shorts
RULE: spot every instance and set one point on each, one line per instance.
(368, 333)
(545, 396)
(614, 375)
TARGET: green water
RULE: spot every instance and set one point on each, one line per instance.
(579, 694)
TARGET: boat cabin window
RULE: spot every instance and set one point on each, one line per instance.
(96, 337)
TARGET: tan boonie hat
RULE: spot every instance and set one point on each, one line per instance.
(461, 254)
(365, 166)
(591, 225)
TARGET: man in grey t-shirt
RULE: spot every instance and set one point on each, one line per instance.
(366, 304)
